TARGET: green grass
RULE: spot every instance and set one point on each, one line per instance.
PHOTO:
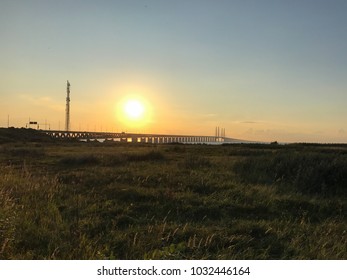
(123, 201)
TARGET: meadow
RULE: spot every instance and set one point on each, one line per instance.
(74, 200)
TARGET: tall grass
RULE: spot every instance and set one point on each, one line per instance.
(195, 202)
(110, 159)
(309, 172)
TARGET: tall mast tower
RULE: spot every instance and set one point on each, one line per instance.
(67, 117)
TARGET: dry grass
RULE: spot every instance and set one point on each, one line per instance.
(116, 201)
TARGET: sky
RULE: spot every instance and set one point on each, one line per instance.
(265, 70)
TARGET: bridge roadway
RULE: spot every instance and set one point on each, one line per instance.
(133, 137)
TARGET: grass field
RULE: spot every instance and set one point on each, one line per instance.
(69, 200)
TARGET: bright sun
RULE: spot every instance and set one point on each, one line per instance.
(134, 109)
(133, 112)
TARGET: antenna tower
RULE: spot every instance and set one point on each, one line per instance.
(67, 119)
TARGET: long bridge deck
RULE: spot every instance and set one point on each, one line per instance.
(134, 137)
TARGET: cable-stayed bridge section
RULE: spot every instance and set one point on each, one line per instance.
(134, 137)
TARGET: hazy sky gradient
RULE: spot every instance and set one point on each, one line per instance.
(263, 70)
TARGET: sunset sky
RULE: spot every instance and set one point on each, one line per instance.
(263, 70)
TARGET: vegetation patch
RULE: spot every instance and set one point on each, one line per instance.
(80, 160)
(309, 172)
(75, 200)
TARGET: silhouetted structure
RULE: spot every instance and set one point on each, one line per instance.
(67, 117)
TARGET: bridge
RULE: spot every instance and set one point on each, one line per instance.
(136, 137)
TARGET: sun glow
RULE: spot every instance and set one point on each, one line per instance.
(133, 112)
(134, 109)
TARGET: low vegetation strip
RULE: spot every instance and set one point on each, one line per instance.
(110, 160)
(116, 201)
(307, 172)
